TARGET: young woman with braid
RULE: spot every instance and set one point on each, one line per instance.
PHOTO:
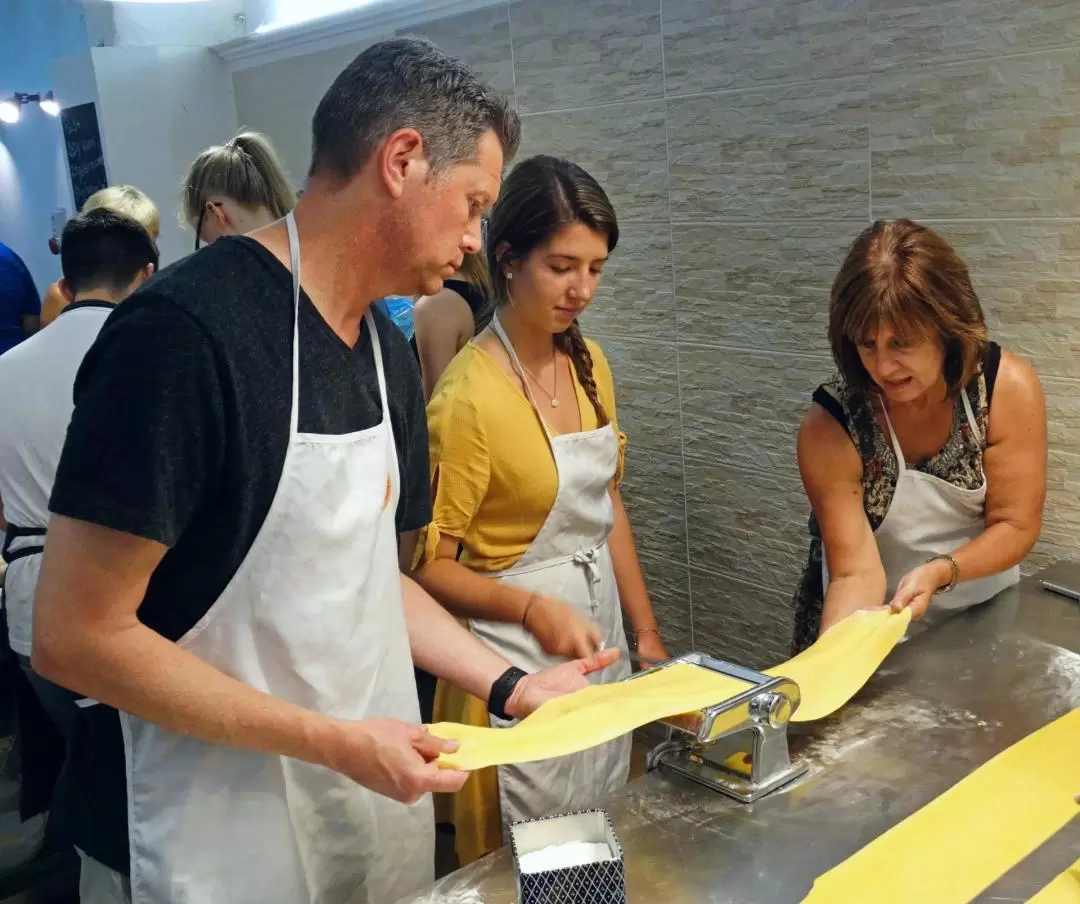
(530, 540)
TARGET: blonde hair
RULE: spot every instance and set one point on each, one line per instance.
(127, 201)
(246, 170)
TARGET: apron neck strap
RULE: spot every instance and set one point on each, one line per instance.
(972, 421)
(369, 320)
(901, 464)
(294, 259)
(515, 362)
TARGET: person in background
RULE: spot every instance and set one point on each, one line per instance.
(444, 322)
(20, 304)
(924, 459)
(122, 199)
(248, 442)
(529, 539)
(236, 188)
(105, 257)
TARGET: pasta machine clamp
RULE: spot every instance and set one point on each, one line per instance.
(738, 747)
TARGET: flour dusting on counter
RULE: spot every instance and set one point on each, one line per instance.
(560, 856)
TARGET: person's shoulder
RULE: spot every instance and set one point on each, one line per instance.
(224, 278)
(1017, 385)
(447, 302)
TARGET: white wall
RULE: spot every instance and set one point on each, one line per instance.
(279, 99)
(33, 173)
(158, 107)
(187, 24)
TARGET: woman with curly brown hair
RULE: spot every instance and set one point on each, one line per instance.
(529, 539)
(924, 459)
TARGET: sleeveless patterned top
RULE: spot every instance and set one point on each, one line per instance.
(959, 462)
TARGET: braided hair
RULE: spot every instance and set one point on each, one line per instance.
(542, 195)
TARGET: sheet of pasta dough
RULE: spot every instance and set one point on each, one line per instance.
(965, 840)
(1065, 889)
(829, 673)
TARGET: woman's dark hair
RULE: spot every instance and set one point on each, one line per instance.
(908, 277)
(541, 196)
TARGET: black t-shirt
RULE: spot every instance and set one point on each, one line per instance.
(179, 434)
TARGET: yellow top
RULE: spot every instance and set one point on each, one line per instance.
(492, 470)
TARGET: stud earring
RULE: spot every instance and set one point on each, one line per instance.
(509, 275)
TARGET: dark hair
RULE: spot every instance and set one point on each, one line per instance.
(908, 277)
(541, 196)
(407, 83)
(102, 249)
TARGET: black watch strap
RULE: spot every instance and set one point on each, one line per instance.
(502, 689)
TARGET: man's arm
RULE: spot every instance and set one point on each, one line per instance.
(88, 637)
(441, 646)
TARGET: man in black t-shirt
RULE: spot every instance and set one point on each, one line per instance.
(221, 568)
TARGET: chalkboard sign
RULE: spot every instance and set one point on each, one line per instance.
(86, 162)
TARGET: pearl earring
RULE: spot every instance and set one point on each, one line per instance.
(509, 275)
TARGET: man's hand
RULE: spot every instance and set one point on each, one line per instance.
(559, 629)
(392, 758)
(918, 586)
(565, 678)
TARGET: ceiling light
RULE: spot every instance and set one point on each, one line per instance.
(9, 111)
(49, 105)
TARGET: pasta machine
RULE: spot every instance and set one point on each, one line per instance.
(739, 746)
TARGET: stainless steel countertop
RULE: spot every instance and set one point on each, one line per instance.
(945, 702)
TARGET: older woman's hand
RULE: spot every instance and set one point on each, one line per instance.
(918, 586)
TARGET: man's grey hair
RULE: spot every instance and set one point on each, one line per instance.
(407, 83)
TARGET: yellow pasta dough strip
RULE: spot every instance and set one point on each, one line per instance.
(828, 674)
(1065, 889)
(963, 841)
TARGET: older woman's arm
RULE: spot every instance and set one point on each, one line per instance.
(832, 476)
(1015, 466)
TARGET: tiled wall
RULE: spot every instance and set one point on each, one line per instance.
(745, 145)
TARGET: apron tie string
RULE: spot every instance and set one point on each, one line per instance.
(589, 559)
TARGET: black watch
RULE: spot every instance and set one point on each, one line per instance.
(502, 689)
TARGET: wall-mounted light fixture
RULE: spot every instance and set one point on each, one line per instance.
(11, 107)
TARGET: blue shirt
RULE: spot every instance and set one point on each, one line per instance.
(18, 297)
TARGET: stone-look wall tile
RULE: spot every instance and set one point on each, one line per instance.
(758, 286)
(1027, 276)
(656, 501)
(622, 147)
(750, 525)
(573, 53)
(982, 139)
(796, 152)
(743, 408)
(481, 39)
(743, 623)
(646, 392)
(710, 46)
(668, 581)
(913, 32)
(1061, 516)
(634, 298)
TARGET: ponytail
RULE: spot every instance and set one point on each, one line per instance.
(246, 170)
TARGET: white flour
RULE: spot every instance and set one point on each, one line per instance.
(560, 856)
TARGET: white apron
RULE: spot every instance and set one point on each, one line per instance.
(313, 615)
(570, 561)
(930, 516)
